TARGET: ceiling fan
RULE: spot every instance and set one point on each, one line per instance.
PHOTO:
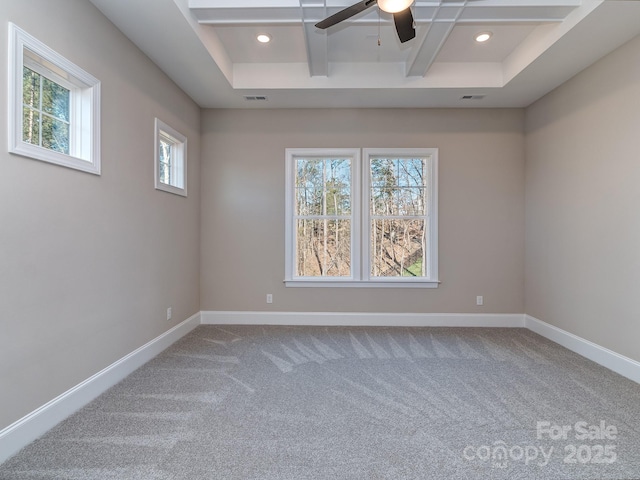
(400, 9)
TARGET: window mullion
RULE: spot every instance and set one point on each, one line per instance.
(365, 227)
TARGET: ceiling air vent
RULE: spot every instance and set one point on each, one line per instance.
(255, 98)
(472, 97)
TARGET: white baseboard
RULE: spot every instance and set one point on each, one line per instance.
(364, 319)
(30, 427)
(620, 364)
(24, 431)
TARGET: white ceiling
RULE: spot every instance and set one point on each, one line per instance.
(209, 48)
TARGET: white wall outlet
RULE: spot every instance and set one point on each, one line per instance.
(169, 313)
(269, 298)
(479, 300)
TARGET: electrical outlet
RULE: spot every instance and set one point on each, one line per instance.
(269, 298)
(169, 313)
(479, 300)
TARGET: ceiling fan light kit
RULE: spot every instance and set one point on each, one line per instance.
(394, 6)
(400, 9)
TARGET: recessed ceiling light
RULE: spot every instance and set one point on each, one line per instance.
(263, 38)
(483, 37)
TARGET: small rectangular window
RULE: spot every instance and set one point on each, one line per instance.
(170, 159)
(54, 106)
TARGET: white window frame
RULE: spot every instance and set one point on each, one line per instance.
(431, 217)
(84, 103)
(178, 157)
(292, 154)
(361, 225)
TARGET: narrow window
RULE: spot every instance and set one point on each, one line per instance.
(323, 219)
(399, 215)
(170, 159)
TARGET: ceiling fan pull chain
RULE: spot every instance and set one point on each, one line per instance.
(379, 41)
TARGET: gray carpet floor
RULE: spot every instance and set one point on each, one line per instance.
(252, 402)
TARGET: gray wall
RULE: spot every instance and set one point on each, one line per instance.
(88, 264)
(481, 161)
(582, 199)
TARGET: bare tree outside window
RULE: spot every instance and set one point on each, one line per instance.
(170, 159)
(323, 217)
(46, 114)
(164, 162)
(399, 217)
(361, 217)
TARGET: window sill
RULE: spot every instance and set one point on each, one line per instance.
(361, 284)
(39, 153)
(171, 189)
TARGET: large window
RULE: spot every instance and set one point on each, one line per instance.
(54, 106)
(361, 218)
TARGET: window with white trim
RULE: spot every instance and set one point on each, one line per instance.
(54, 106)
(361, 217)
(170, 159)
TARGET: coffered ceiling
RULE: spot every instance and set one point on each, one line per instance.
(209, 48)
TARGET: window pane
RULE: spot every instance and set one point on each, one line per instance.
(323, 248)
(30, 88)
(309, 188)
(30, 126)
(55, 99)
(383, 172)
(165, 162)
(398, 201)
(165, 173)
(411, 172)
(402, 172)
(55, 135)
(397, 248)
(323, 186)
(384, 201)
(412, 201)
(165, 151)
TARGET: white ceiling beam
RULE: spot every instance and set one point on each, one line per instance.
(315, 39)
(218, 12)
(432, 40)
(426, 50)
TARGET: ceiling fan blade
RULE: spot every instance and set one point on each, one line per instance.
(404, 25)
(346, 13)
